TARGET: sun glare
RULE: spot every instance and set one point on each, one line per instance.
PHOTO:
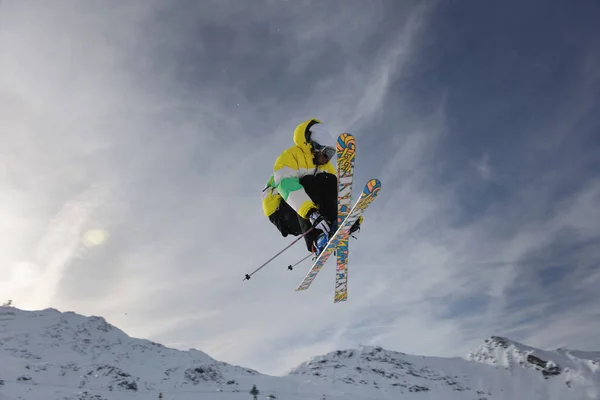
(95, 237)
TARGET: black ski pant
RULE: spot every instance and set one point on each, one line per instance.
(286, 220)
(322, 190)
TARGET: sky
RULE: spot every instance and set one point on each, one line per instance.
(137, 137)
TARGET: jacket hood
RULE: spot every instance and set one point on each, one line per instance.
(300, 133)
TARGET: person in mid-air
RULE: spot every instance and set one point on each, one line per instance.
(302, 192)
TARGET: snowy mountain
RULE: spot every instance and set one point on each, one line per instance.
(52, 355)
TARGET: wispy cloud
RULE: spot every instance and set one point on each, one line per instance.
(483, 168)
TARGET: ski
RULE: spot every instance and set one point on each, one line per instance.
(346, 155)
(369, 193)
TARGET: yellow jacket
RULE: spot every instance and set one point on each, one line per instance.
(294, 163)
(270, 198)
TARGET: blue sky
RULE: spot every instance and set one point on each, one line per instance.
(137, 138)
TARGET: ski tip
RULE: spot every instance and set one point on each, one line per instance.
(373, 186)
(346, 141)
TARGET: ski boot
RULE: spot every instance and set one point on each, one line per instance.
(320, 243)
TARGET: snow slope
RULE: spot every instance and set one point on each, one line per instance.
(52, 355)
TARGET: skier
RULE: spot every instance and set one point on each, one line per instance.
(305, 182)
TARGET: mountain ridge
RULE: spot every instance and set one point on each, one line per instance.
(69, 356)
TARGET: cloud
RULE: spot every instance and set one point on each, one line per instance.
(483, 168)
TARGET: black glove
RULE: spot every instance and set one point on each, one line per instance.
(355, 227)
(318, 222)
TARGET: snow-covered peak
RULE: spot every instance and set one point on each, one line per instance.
(52, 349)
(501, 351)
(67, 337)
(568, 365)
(376, 367)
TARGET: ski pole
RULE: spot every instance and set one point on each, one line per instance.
(272, 258)
(291, 266)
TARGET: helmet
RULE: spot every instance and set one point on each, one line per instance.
(322, 140)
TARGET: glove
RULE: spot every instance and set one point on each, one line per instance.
(356, 226)
(318, 222)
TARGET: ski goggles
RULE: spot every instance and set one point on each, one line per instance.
(327, 151)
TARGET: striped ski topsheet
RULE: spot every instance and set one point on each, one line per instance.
(346, 154)
(369, 194)
(346, 151)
